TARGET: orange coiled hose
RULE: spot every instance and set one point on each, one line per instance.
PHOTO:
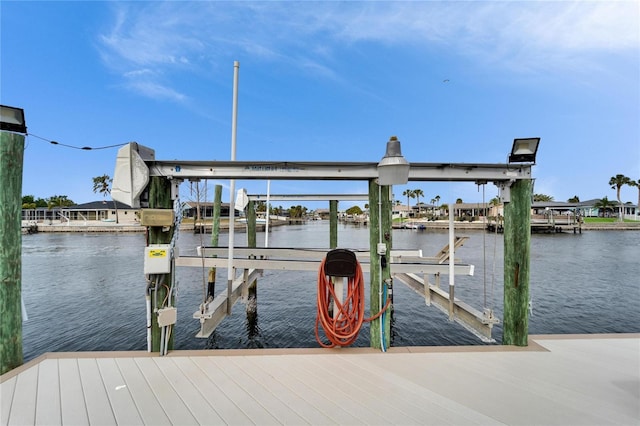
(342, 328)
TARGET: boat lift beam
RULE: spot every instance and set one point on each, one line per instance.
(211, 313)
(476, 322)
(361, 171)
(310, 197)
(254, 260)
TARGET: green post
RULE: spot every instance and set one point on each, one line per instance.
(11, 161)
(252, 291)
(379, 231)
(160, 198)
(215, 232)
(251, 224)
(333, 224)
(517, 244)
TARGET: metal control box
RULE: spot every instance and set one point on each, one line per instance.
(157, 259)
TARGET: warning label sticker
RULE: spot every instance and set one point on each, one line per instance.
(157, 253)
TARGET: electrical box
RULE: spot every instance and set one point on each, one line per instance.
(156, 217)
(167, 316)
(157, 259)
(381, 249)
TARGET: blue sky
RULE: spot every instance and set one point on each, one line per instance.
(328, 81)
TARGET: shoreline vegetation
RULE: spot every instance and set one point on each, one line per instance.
(589, 224)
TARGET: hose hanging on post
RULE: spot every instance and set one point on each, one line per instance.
(343, 327)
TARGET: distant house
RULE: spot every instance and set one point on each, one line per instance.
(583, 209)
(324, 214)
(402, 211)
(470, 210)
(206, 210)
(92, 211)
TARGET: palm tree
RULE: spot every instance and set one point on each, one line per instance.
(437, 200)
(418, 193)
(102, 185)
(574, 199)
(542, 197)
(636, 183)
(409, 194)
(604, 204)
(59, 201)
(617, 182)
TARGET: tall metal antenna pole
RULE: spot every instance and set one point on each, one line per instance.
(232, 187)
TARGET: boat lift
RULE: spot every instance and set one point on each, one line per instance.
(137, 164)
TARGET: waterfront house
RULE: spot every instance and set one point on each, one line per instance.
(93, 211)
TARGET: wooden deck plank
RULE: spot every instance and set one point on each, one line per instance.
(228, 411)
(48, 409)
(346, 386)
(120, 398)
(72, 404)
(308, 390)
(23, 406)
(170, 401)
(148, 406)
(99, 410)
(235, 393)
(414, 401)
(558, 380)
(254, 368)
(373, 383)
(198, 405)
(283, 413)
(7, 389)
(506, 398)
(577, 382)
(507, 401)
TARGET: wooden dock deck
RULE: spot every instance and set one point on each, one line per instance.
(556, 380)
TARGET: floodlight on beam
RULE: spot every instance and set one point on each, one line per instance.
(393, 169)
(12, 119)
(524, 150)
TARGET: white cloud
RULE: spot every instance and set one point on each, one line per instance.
(191, 36)
(155, 90)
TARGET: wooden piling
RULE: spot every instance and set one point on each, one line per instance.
(11, 163)
(379, 229)
(517, 242)
(160, 198)
(215, 232)
(333, 224)
(252, 289)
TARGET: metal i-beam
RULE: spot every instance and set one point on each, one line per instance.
(216, 310)
(310, 197)
(304, 253)
(470, 318)
(300, 170)
(313, 265)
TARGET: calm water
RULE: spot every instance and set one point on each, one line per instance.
(85, 292)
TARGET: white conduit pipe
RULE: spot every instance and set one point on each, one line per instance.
(148, 300)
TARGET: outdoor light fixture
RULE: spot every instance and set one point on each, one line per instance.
(12, 119)
(393, 169)
(524, 150)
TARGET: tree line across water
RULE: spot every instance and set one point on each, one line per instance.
(102, 185)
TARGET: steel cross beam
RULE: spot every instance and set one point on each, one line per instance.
(300, 170)
(310, 197)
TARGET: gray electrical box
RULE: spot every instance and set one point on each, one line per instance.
(157, 259)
